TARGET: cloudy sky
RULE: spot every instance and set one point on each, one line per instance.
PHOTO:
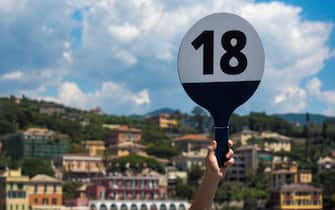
(121, 55)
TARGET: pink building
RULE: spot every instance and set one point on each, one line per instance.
(127, 188)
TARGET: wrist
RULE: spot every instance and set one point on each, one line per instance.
(211, 177)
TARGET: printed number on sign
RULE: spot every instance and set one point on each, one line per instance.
(232, 42)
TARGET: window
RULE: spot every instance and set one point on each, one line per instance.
(144, 207)
(54, 201)
(35, 188)
(54, 188)
(182, 207)
(153, 207)
(36, 200)
(20, 186)
(133, 207)
(173, 206)
(103, 207)
(93, 207)
(124, 207)
(162, 207)
(45, 201)
(113, 207)
(45, 188)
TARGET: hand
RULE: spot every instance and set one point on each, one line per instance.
(213, 171)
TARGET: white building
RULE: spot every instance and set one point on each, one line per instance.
(138, 205)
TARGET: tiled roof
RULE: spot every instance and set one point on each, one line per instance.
(299, 187)
(326, 160)
(282, 171)
(194, 137)
(44, 178)
(125, 128)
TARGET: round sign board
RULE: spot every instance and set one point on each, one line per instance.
(220, 65)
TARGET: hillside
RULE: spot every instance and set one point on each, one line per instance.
(300, 118)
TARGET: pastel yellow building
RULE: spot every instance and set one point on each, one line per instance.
(300, 197)
(165, 121)
(14, 191)
(94, 147)
(305, 176)
(244, 136)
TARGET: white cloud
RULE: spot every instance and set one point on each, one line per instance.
(326, 97)
(68, 56)
(112, 97)
(124, 33)
(16, 75)
(121, 34)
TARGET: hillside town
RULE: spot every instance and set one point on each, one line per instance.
(54, 157)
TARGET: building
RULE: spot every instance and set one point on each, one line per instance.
(172, 175)
(36, 142)
(296, 196)
(246, 160)
(44, 143)
(125, 187)
(164, 120)
(94, 147)
(14, 191)
(45, 193)
(187, 160)
(138, 205)
(326, 163)
(125, 149)
(277, 144)
(192, 142)
(82, 167)
(244, 136)
(122, 134)
(305, 176)
(123, 140)
(274, 135)
(290, 175)
(80, 199)
(50, 109)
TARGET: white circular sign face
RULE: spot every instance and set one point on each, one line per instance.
(221, 47)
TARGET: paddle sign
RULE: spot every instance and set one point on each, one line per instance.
(220, 65)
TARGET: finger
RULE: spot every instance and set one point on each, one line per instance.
(229, 162)
(212, 147)
(230, 154)
(230, 143)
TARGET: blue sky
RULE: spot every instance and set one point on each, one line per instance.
(121, 55)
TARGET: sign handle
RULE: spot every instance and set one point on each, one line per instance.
(221, 138)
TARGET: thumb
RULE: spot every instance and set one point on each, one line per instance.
(212, 148)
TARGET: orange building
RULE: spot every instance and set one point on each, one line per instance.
(45, 192)
(122, 134)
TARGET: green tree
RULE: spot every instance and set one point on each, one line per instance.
(326, 181)
(194, 175)
(163, 151)
(34, 166)
(199, 119)
(70, 190)
(184, 191)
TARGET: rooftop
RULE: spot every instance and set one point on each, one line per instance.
(299, 187)
(326, 160)
(194, 137)
(126, 128)
(41, 178)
